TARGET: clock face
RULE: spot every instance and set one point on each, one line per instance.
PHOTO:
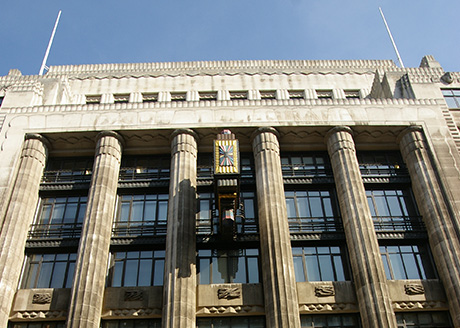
(226, 155)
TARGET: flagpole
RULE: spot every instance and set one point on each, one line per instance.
(42, 68)
(391, 38)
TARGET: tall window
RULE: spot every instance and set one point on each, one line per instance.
(49, 270)
(452, 97)
(144, 214)
(423, 320)
(137, 268)
(231, 322)
(407, 262)
(393, 209)
(312, 210)
(59, 217)
(319, 263)
(217, 266)
(330, 321)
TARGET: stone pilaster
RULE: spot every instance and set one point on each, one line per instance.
(18, 218)
(179, 293)
(93, 251)
(367, 267)
(280, 292)
(440, 220)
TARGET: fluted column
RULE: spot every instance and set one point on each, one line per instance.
(18, 218)
(280, 292)
(367, 267)
(93, 251)
(440, 220)
(179, 293)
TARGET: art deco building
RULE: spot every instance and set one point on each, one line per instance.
(280, 194)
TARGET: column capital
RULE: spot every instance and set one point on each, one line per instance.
(108, 133)
(265, 129)
(37, 136)
(410, 129)
(176, 132)
(336, 129)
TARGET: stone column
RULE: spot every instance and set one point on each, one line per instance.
(440, 219)
(366, 263)
(93, 251)
(18, 218)
(179, 293)
(280, 292)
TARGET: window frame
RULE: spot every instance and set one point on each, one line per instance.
(127, 224)
(121, 262)
(324, 257)
(208, 259)
(34, 268)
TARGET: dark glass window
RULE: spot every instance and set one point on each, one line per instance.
(144, 214)
(423, 320)
(312, 210)
(452, 97)
(310, 165)
(407, 262)
(41, 324)
(132, 323)
(319, 263)
(1, 101)
(330, 321)
(393, 209)
(231, 322)
(206, 219)
(59, 217)
(137, 268)
(218, 266)
(247, 165)
(49, 270)
(68, 170)
(205, 165)
(381, 163)
(144, 168)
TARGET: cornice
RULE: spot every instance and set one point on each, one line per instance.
(222, 104)
(216, 67)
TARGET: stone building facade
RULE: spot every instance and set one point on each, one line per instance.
(347, 214)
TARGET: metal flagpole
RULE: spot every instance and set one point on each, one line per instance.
(42, 68)
(392, 40)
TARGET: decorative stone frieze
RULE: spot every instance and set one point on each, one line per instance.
(133, 295)
(280, 292)
(228, 293)
(328, 307)
(324, 291)
(419, 305)
(39, 315)
(132, 313)
(414, 289)
(41, 298)
(230, 310)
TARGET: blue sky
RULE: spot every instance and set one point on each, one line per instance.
(102, 31)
